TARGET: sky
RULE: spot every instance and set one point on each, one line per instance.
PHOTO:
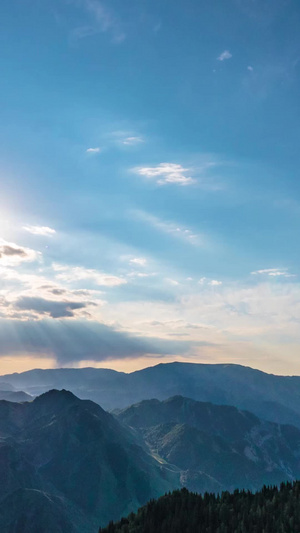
(149, 183)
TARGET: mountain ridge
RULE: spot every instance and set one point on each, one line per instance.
(236, 448)
(73, 450)
(269, 396)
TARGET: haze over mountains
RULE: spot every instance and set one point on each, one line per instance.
(271, 397)
(68, 466)
(8, 392)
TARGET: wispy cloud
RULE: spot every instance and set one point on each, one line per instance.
(172, 281)
(225, 55)
(211, 282)
(131, 141)
(126, 138)
(166, 173)
(136, 274)
(102, 20)
(44, 231)
(96, 150)
(140, 261)
(274, 272)
(175, 230)
(73, 274)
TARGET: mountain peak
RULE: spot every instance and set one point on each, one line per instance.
(55, 393)
(55, 399)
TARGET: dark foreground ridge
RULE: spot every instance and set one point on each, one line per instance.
(67, 466)
(268, 511)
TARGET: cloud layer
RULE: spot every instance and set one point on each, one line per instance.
(70, 342)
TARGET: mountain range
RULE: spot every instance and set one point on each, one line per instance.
(271, 397)
(68, 463)
(216, 447)
(68, 466)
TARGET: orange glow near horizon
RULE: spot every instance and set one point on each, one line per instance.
(9, 365)
(23, 363)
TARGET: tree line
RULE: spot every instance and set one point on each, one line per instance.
(272, 509)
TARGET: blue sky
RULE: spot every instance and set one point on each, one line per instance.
(149, 207)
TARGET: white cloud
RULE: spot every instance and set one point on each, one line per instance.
(140, 261)
(250, 68)
(212, 282)
(166, 173)
(73, 274)
(274, 272)
(96, 150)
(225, 55)
(131, 141)
(39, 287)
(40, 230)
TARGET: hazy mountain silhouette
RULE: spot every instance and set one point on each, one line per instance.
(15, 396)
(275, 398)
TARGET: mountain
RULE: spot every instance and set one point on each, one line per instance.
(8, 392)
(35, 511)
(4, 386)
(67, 466)
(266, 511)
(66, 460)
(275, 398)
(233, 448)
(15, 396)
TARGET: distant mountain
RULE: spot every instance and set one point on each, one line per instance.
(66, 462)
(10, 393)
(275, 398)
(269, 511)
(15, 396)
(232, 448)
(4, 386)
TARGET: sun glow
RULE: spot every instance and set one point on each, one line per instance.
(22, 363)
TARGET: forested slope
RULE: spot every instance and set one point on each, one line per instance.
(268, 511)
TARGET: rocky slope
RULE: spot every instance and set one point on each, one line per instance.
(233, 448)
